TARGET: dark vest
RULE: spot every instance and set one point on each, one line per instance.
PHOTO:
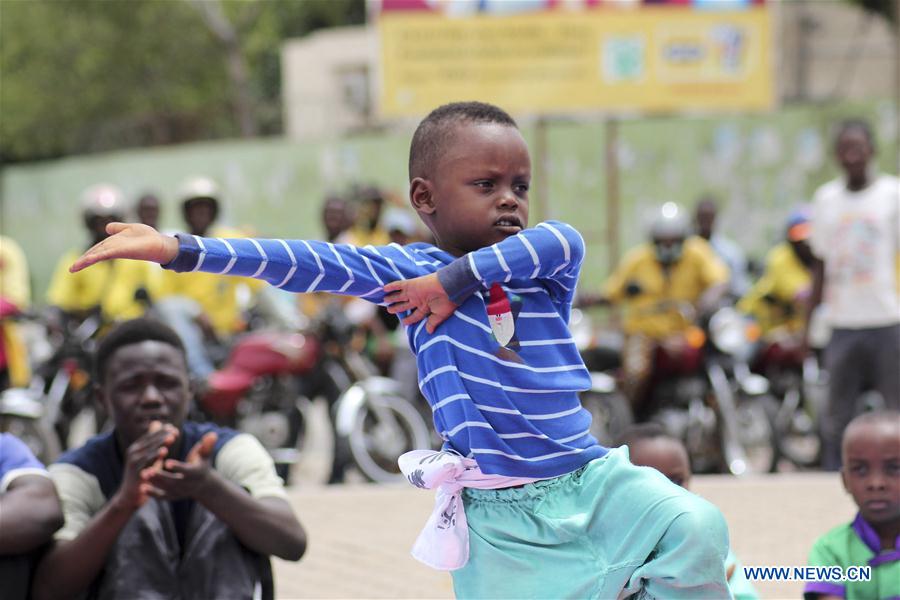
(148, 562)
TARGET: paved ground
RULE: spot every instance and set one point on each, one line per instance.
(360, 535)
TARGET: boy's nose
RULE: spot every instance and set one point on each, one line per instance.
(508, 199)
(151, 395)
(876, 481)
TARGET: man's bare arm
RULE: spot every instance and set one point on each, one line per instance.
(29, 514)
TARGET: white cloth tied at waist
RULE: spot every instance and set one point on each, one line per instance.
(444, 542)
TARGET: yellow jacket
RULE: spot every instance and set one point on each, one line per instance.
(697, 270)
(784, 278)
(217, 295)
(14, 285)
(110, 285)
(14, 288)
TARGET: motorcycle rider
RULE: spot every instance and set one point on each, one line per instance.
(653, 283)
(778, 299)
(112, 289)
(200, 306)
(705, 218)
(15, 296)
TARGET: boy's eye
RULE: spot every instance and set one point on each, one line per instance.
(484, 184)
(859, 469)
(521, 188)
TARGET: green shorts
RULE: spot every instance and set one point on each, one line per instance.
(608, 530)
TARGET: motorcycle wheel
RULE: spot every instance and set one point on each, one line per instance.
(39, 438)
(385, 428)
(610, 415)
(757, 433)
(798, 434)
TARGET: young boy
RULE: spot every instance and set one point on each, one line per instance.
(871, 474)
(650, 446)
(502, 375)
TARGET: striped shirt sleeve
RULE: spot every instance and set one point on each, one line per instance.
(551, 252)
(301, 265)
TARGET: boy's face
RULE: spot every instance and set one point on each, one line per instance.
(666, 456)
(145, 382)
(200, 215)
(871, 471)
(478, 192)
(853, 152)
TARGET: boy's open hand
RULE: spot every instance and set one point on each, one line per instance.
(188, 479)
(424, 296)
(144, 456)
(130, 240)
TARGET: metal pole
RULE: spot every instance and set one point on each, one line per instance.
(611, 140)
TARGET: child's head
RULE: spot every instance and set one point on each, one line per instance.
(650, 446)
(854, 147)
(469, 173)
(871, 469)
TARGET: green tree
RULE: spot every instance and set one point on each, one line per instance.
(90, 75)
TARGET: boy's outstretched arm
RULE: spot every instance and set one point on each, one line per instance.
(130, 240)
(292, 265)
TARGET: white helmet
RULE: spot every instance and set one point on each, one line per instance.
(103, 200)
(198, 187)
(668, 231)
(670, 222)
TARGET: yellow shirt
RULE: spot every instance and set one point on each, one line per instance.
(110, 285)
(697, 270)
(14, 284)
(217, 295)
(783, 279)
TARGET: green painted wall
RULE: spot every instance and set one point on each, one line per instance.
(759, 166)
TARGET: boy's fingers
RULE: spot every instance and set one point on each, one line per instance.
(394, 286)
(399, 307)
(433, 322)
(416, 316)
(115, 227)
(395, 297)
(150, 490)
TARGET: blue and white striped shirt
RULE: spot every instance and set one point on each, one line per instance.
(515, 410)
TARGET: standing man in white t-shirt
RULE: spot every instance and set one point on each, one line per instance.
(856, 236)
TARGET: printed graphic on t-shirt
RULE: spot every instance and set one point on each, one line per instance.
(503, 312)
(858, 238)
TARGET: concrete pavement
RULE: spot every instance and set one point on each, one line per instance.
(360, 534)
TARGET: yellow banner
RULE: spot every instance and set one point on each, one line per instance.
(648, 60)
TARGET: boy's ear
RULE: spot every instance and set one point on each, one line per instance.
(420, 196)
(101, 401)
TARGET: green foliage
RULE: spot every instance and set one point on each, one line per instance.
(92, 75)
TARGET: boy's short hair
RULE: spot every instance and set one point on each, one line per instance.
(851, 124)
(133, 332)
(642, 432)
(872, 417)
(436, 130)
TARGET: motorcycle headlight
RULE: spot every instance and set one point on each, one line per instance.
(728, 331)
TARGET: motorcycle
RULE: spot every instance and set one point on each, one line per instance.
(269, 379)
(42, 414)
(601, 352)
(801, 384)
(703, 392)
